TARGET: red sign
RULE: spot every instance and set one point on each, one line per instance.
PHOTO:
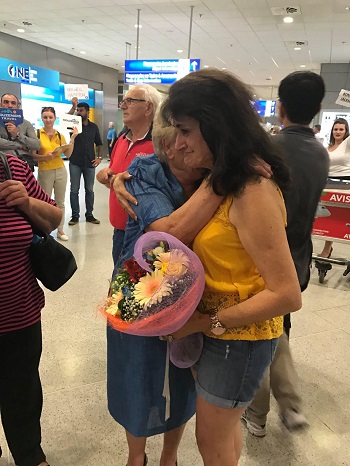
(333, 215)
(336, 197)
(336, 225)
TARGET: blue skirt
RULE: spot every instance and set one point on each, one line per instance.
(135, 380)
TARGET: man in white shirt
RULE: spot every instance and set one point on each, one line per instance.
(317, 133)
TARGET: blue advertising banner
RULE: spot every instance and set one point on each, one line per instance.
(11, 115)
(158, 71)
(26, 74)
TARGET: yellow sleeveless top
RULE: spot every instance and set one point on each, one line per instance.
(230, 275)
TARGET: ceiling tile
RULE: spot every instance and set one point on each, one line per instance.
(235, 30)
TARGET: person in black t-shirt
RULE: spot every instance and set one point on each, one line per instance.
(300, 97)
(83, 161)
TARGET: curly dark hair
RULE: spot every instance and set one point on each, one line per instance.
(339, 121)
(222, 104)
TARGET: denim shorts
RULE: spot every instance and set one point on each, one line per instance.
(230, 371)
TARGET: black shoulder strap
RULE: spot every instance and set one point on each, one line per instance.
(58, 133)
(8, 175)
(3, 158)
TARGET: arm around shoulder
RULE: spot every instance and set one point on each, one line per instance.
(185, 223)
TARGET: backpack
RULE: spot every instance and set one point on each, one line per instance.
(58, 133)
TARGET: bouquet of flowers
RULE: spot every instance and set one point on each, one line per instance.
(156, 292)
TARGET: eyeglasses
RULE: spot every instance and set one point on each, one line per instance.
(129, 101)
(47, 109)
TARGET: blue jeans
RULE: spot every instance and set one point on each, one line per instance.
(118, 240)
(89, 179)
(230, 372)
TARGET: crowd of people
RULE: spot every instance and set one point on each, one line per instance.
(45, 148)
(174, 158)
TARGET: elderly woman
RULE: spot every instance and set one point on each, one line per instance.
(161, 184)
(250, 276)
(21, 301)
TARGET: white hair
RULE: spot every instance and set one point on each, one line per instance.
(151, 95)
(162, 132)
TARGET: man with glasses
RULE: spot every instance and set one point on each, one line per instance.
(139, 107)
(83, 161)
(18, 140)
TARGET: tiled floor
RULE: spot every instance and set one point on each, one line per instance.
(77, 429)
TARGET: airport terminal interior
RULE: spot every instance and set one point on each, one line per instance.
(87, 42)
(76, 426)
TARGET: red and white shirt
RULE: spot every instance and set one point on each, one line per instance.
(123, 154)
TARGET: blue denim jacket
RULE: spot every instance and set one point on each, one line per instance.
(158, 194)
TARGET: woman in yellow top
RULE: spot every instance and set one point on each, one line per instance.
(250, 276)
(52, 172)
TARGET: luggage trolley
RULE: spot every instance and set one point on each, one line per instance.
(332, 223)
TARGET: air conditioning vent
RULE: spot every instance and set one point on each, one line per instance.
(296, 43)
(283, 11)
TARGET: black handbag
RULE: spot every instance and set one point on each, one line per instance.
(52, 263)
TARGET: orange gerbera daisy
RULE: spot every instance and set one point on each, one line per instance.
(152, 286)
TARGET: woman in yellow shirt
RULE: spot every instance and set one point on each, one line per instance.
(250, 276)
(52, 174)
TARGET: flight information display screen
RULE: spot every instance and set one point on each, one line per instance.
(265, 108)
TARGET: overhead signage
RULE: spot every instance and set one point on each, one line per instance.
(158, 71)
(265, 108)
(343, 98)
(11, 115)
(81, 91)
(26, 74)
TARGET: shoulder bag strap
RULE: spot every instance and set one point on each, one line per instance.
(3, 158)
(8, 176)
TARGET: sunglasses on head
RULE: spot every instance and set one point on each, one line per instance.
(48, 109)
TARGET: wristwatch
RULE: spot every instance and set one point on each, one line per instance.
(216, 327)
